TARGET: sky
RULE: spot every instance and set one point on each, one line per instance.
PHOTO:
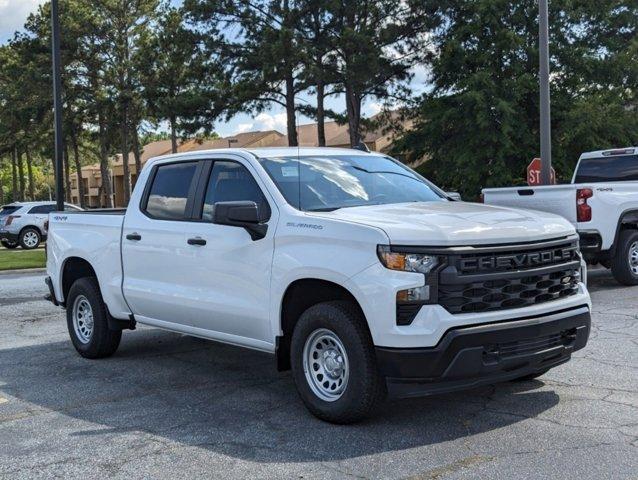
(13, 14)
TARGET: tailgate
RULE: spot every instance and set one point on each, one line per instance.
(558, 199)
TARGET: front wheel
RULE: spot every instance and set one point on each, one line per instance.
(334, 365)
(624, 265)
(87, 320)
(9, 245)
(30, 238)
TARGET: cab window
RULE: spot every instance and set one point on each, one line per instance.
(232, 182)
(168, 194)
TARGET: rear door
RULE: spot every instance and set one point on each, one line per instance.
(38, 216)
(156, 257)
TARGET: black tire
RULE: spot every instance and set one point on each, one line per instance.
(364, 389)
(620, 264)
(102, 341)
(30, 238)
(531, 376)
(10, 246)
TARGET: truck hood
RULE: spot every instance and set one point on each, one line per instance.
(455, 223)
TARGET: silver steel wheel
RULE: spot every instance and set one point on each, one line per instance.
(30, 239)
(82, 319)
(325, 363)
(633, 258)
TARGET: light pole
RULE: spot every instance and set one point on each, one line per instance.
(545, 120)
(57, 106)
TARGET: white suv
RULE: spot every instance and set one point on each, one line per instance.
(24, 223)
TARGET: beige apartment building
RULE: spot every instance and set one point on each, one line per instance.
(336, 136)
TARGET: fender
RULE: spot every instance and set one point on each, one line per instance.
(628, 217)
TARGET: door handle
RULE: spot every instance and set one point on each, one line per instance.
(197, 241)
(134, 236)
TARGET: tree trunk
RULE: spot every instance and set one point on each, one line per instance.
(1, 190)
(321, 115)
(67, 175)
(106, 192)
(78, 171)
(30, 174)
(172, 121)
(125, 166)
(137, 153)
(14, 174)
(21, 176)
(353, 107)
(291, 121)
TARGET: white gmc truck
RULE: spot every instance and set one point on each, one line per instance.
(354, 271)
(601, 203)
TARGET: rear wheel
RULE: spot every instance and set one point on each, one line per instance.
(624, 265)
(9, 245)
(334, 365)
(30, 238)
(87, 320)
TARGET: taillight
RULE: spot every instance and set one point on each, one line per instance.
(583, 211)
(10, 219)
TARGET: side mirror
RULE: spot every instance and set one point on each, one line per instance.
(456, 196)
(241, 214)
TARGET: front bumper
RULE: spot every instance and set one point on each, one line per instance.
(468, 357)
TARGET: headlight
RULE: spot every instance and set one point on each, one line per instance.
(407, 262)
(409, 301)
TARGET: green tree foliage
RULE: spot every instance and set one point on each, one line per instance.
(180, 81)
(478, 126)
(258, 41)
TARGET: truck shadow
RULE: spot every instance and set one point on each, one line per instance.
(232, 401)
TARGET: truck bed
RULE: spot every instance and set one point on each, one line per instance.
(558, 199)
(91, 236)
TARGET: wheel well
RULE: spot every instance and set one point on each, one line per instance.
(30, 226)
(628, 221)
(299, 297)
(74, 269)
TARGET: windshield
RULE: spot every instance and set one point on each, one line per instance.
(324, 183)
(607, 169)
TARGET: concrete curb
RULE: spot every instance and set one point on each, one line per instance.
(22, 271)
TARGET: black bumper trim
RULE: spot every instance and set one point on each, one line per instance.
(483, 354)
(590, 241)
(51, 295)
(9, 237)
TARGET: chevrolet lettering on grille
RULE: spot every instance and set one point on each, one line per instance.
(517, 261)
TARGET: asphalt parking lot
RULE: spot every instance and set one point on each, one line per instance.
(170, 406)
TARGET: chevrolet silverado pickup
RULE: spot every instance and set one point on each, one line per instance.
(356, 273)
(601, 202)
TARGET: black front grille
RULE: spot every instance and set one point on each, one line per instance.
(499, 294)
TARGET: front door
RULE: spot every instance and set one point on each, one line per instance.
(231, 271)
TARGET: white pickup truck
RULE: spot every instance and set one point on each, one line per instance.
(355, 272)
(601, 202)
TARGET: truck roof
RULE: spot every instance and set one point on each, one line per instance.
(610, 152)
(270, 152)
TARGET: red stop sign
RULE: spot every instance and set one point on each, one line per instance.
(534, 173)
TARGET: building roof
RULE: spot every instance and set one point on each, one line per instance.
(336, 136)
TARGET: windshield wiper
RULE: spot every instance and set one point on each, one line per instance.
(324, 209)
(361, 169)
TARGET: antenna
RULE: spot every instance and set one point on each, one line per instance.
(361, 146)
